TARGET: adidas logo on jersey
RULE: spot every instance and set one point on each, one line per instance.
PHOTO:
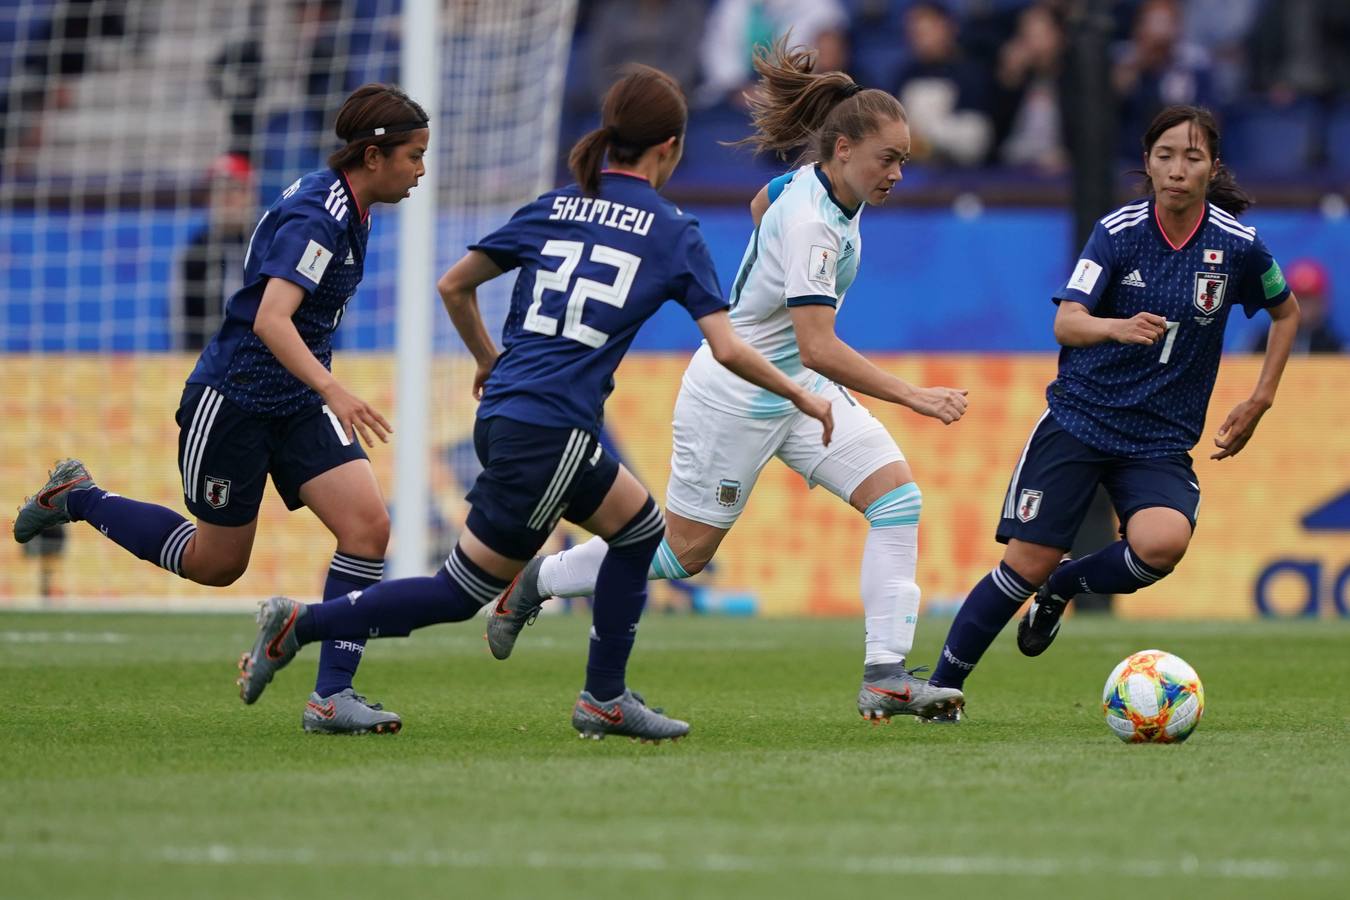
(1134, 279)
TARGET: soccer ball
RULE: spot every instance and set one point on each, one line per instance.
(1153, 697)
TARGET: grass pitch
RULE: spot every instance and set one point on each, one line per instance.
(129, 768)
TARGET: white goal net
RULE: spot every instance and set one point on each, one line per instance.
(139, 141)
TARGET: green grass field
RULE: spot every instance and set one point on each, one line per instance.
(128, 768)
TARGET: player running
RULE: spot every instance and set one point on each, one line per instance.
(596, 260)
(262, 400)
(1141, 322)
(800, 261)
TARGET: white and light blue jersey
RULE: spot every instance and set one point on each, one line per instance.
(805, 251)
(1149, 400)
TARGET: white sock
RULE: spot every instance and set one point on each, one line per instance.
(890, 595)
(572, 572)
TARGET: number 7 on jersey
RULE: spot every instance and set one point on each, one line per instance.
(1169, 341)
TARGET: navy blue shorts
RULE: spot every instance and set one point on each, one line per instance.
(225, 454)
(1053, 484)
(532, 477)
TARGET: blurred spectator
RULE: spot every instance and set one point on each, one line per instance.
(1301, 48)
(322, 26)
(665, 34)
(75, 39)
(1156, 68)
(237, 81)
(1220, 28)
(944, 94)
(212, 265)
(1310, 284)
(736, 27)
(1026, 107)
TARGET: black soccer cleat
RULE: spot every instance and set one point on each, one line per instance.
(1040, 623)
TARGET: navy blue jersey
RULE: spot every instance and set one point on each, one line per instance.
(592, 270)
(314, 236)
(1139, 401)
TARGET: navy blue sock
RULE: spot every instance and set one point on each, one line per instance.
(620, 594)
(151, 532)
(338, 659)
(987, 609)
(1111, 570)
(398, 608)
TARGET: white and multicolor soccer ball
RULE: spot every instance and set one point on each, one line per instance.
(1153, 697)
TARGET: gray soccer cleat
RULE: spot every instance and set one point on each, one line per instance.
(517, 607)
(275, 646)
(47, 508)
(904, 694)
(950, 717)
(628, 715)
(347, 712)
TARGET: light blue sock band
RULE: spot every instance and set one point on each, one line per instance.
(665, 564)
(898, 507)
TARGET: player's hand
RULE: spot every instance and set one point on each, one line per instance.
(944, 403)
(356, 415)
(1238, 428)
(1142, 328)
(818, 408)
(480, 377)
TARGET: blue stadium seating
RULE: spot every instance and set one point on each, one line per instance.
(1269, 140)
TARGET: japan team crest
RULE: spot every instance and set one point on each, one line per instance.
(217, 492)
(1209, 290)
(1028, 505)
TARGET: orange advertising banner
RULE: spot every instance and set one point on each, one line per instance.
(1274, 531)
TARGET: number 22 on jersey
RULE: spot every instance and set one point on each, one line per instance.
(615, 293)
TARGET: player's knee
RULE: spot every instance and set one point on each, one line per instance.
(367, 535)
(220, 574)
(1032, 562)
(1160, 551)
(375, 533)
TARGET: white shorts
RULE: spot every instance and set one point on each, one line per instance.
(717, 456)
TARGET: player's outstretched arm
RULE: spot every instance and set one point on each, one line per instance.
(823, 352)
(743, 360)
(274, 327)
(458, 288)
(1076, 326)
(1241, 423)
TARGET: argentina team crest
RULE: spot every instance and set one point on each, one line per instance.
(217, 492)
(1209, 291)
(1028, 505)
(728, 492)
